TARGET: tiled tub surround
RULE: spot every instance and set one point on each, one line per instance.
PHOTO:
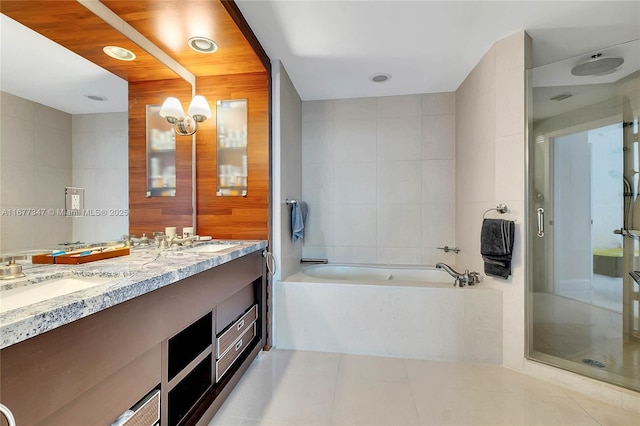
(406, 319)
(379, 177)
(144, 270)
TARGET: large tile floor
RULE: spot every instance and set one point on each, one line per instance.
(312, 388)
(573, 331)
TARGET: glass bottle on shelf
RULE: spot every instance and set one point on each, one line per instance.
(231, 116)
(161, 155)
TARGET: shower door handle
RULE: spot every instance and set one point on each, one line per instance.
(540, 212)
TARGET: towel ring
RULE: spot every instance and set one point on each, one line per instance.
(289, 202)
(500, 208)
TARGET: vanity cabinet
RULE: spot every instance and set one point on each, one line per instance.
(92, 370)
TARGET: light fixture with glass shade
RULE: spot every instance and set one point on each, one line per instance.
(185, 125)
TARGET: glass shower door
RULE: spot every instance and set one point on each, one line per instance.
(584, 222)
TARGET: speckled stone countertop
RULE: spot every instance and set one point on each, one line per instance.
(144, 270)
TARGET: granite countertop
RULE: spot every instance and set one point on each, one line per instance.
(145, 269)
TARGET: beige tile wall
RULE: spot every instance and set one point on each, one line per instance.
(287, 122)
(44, 150)
(100, 166)
(378, 174)
(35, 168)
(490, 169)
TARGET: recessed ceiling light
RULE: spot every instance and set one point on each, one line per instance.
(98, 98)
(203, 44)
(380, 77)
(119, 53)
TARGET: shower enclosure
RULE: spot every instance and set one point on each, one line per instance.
(584, 215)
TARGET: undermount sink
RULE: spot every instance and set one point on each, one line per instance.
(212, 248)
(29, 294)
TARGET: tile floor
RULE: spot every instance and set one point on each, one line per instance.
(313, 388)
(573, 331)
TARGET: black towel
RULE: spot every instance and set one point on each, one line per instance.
(496, 246)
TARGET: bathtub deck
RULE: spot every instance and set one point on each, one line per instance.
(412, 320)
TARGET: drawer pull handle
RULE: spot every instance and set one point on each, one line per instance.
(239, 344)
(240, 324)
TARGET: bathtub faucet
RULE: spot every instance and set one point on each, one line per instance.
(461, 280)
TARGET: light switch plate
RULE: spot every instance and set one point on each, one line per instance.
(73, 201)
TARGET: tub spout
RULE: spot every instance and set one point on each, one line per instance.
(448, 269)
(461, 280)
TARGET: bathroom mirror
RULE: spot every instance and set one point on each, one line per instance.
(49, 143)
(59, 131)
(231, 125)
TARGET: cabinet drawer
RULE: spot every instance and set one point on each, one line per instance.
(228, 337)
(146, 412)
(228, 358)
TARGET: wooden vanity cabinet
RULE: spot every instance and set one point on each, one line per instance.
(90, 371)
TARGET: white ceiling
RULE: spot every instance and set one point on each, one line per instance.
(331, 48)
(35, 68)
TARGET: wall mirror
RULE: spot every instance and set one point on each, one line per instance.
(231, 136)
(41, 159)
(58, 132)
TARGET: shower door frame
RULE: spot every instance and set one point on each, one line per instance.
(549, 192)
(549, 246)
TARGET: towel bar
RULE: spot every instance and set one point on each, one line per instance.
(500, 208)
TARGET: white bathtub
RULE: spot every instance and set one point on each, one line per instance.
(407, 312)
(374, 273)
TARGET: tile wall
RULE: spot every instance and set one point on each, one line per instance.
(44, 150)
(490, 169)
(287, 155)
(35, 168)
(101, 166)
(379, 177)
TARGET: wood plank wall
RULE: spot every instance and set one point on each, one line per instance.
(235, 217)
(147, 215)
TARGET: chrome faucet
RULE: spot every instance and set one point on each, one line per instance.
(461, 280)
(185, 240)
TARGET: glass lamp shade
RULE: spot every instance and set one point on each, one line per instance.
(171, 108)
(199, 107)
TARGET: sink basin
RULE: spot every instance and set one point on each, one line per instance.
(33, 293)
(212, 248)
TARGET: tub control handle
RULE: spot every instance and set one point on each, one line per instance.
(540, 213)
(447, 249)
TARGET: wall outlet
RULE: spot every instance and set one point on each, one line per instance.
(73, 201)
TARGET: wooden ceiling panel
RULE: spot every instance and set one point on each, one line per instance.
(170, 23)
(73, 26)
(166, 23)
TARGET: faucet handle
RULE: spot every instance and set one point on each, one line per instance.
(474, 278)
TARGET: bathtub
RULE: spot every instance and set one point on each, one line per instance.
(406, 312)
(377, 274)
